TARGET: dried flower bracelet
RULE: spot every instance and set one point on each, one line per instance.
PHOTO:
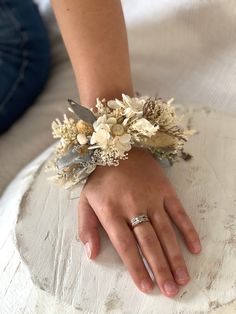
(104, 135)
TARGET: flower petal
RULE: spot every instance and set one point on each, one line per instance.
(144, 127)
(82, 139)
(93, 138)
(113, 104)
(125, 138)
(111, 120)
(126, 99)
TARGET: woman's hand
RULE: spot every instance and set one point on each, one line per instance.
(114, 195)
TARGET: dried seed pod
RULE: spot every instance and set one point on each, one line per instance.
(117, 129)
(84, 127)
(149, 109)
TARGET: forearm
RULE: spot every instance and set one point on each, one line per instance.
(95, 36)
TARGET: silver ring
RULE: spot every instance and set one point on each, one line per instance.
(138, 220)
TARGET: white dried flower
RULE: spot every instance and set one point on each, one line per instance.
(104, 123)
(122, 143)
(144, 127)
(82, 139)
(101, 134)
(133, 106)
(106, 135)
(101, 138)
(115, 104)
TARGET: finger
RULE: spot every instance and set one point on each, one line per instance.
(165, 232)
(180, 218)
(124, 242)
(88, 225)
(152, 251)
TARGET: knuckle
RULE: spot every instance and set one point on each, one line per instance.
(107, 219)
(130, 199)
(109, 214)
(177, 260)
(176, 205)
(148, 240)
(155, 216)
(191, 234)
(163, 271)
(107, 206)
(124, 244)
(181, 213)
(138, 270)
(164, 229)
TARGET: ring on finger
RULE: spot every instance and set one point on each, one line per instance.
(138, 220)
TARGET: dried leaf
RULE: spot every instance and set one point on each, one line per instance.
(72, 158)
(82, 112)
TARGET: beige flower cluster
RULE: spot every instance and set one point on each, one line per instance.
(103, 137)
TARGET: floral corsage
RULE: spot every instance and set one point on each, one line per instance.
(105, 134)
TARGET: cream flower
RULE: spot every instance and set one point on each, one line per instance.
(122, 143)
(101, 138)
(101, 134)
(144, 127)
(82, 139)
(110, 135)
(100, 123)
(115, 104)
(133, 106)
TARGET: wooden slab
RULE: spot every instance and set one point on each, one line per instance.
(45, 234)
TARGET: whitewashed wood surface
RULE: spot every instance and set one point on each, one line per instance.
(42, 256)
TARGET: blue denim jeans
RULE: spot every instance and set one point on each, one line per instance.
(24, 58)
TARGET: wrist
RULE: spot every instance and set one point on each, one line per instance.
(88, 99)
(139, 151)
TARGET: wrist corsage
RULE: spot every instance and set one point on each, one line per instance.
(105, 134)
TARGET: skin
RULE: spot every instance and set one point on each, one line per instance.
(96, 40)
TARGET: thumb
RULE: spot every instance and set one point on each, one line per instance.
(88, 225)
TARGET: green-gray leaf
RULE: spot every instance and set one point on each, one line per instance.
(83, 113)
(73, 158)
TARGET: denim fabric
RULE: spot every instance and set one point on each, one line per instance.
(24, 58)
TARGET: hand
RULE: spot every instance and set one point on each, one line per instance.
(113, 195)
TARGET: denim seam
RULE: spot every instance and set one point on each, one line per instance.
(24, 62)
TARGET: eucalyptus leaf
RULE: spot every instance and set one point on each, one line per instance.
(72, 158)
(82, 112)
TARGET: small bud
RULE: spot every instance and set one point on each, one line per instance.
(82, 139)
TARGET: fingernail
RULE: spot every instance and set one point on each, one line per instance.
(88, 249)
(146, 285)
(181, 274)
(196, 246)
(170, 287)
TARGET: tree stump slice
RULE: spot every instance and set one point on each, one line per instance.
(45, 234)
